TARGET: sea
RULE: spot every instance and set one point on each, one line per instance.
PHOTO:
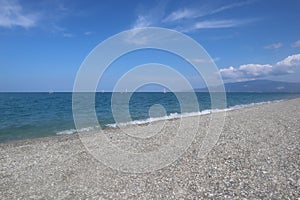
(34, 115)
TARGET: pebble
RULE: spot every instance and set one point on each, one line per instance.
(256, 157)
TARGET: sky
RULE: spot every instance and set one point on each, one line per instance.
(43, 43)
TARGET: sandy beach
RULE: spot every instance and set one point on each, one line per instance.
(257, 156)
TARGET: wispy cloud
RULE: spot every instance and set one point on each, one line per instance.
(45, 15)
(145, 18)
(68, 35)
(274, 46)
(204, 61)
(296, 44)
(252, 71)
(212, 24)
(87, 33)
(156, 17)
(150, 17)
(230, 6)
(217, 24)
(12, 14)
(192, 13)
(142, 21)
(134, 36)
(181, 14)
(189, 19)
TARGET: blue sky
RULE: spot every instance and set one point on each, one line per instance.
(43, 43)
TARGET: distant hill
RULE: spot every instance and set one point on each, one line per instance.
(259, 86)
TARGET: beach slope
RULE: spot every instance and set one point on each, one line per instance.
(256, 156)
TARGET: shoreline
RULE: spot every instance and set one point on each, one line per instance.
(148, 121)
(256, 156)
(75, 135)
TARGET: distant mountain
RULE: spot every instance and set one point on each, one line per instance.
(259, 86)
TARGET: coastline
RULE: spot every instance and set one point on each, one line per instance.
(27, 123)
(257, 156)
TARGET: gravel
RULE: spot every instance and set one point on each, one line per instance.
(257, 156)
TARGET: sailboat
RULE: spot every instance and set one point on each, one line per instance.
(165, 91)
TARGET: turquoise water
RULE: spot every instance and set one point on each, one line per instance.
(32, 115)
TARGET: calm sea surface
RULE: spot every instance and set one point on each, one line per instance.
(32, 115)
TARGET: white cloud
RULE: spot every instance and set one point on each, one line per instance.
(203, 61)
(251, 71)
(141, 22)
(230, 73)
(217, 24)
(145, 18)
(255, 70)
(212, 24)
(230, 6)
(296, 44)
(87, 33)
(45, 15)
(246, 71)
(216, 59)
(191, 13)
(188, 19)
(290, 61)
(181, 14)
(12, 14)
(274, 46)
(199, 61)
(136, 37)
(149, 16)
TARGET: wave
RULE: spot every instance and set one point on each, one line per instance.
(167, 117)
(73, 131)
(190, 114)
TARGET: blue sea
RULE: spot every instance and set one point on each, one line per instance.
(33, 115)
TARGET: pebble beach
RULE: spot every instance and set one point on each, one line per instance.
(257, 156)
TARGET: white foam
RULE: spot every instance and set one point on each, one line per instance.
(190, 114)
(67, 132)
(72, 131)
(167, 117)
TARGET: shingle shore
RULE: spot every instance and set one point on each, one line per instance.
(256, 157)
